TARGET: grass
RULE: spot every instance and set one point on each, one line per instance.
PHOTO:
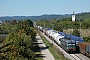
(84, 32)
(53, 50)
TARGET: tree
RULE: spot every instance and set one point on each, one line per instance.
(30, 23)
(86, 22)
(14, 22)
(86, 39)
(76, 33)
(19, 45)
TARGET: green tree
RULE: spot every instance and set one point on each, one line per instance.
(30, 23)
(19, 44)
(14, 22)
(76, 33)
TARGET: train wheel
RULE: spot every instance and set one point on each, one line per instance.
(85, 54)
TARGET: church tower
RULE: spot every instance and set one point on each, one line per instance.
(73, 17)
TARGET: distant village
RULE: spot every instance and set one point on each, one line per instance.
(1, 22)
(8, 22)
(4, 22)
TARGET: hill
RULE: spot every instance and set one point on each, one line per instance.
(45, 17)
(82, 16)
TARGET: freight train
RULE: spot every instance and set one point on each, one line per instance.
(68, 42)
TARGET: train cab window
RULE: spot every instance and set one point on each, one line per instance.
(69, 43)
(73, 43)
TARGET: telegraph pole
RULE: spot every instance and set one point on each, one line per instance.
(52, 26)
(44, 24)
(80, 28)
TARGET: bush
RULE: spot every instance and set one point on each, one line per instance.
(76, 33)
(86, 39)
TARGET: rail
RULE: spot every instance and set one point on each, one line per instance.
(76, 57)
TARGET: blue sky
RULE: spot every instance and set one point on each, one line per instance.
(40, 7)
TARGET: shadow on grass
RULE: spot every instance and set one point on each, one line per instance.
(37, 43)
(38, 38)
(36, 48)
(44, 48)
(39, 56)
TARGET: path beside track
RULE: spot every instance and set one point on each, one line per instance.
(46, 55)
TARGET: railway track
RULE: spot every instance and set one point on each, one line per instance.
(78, 57)
(75, 57)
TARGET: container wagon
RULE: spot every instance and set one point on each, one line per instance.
(45, 29)
(57, 39)
(84, 48)
(41, 29)
(54, 36)
(62, 33)
(47, 33)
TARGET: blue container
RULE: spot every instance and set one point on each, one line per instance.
(81, 39)
(62, 33)
(77, 39)
(47, 29)
(72, 37)
(68, 36)
(59, 32)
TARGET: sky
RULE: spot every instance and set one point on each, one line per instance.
(40, 7)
